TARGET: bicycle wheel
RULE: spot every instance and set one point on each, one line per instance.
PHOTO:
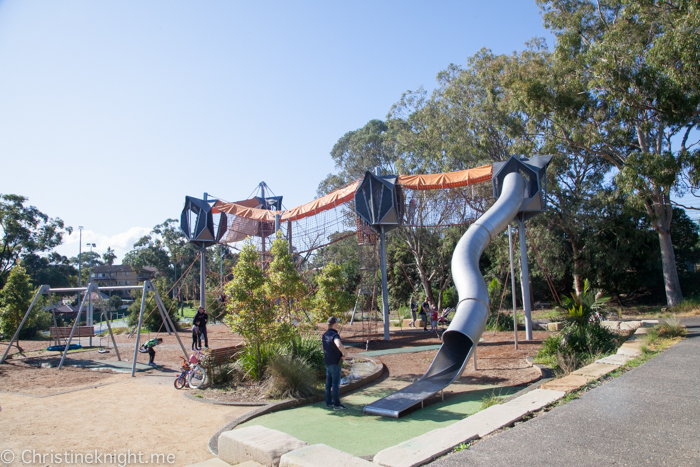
(197, 377)
(180, 381)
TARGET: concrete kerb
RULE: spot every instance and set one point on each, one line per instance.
(424, 448)
(286, 404)
(321, 455)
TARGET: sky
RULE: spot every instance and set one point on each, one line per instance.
(111, 112)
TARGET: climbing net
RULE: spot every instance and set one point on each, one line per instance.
(431, 201)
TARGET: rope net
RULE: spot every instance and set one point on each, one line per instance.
(436, 200)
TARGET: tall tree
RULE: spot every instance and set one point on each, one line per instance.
(26, 232)
(359, 151)
(109, 256)
(15, 298)
(622, 90)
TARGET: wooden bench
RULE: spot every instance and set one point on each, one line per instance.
(223, 355)
(64, 332)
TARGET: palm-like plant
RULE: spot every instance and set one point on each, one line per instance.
(585, 307)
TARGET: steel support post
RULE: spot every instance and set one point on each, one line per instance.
(203, 278)
(76, 323)
(138, 327)
(525, 281)
(512, 287)
(385, 291)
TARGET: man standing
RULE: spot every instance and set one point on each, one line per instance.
(200, 320)
(333, 351)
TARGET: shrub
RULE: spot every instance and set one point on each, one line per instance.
(310, 349)
(247, 359)
(290, 376)
(499, 322)
(671, 328)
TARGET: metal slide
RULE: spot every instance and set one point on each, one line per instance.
(472, 309)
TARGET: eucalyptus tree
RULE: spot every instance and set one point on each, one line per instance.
(624, 88)
(27, 234)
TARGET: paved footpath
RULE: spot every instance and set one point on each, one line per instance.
(648, 416)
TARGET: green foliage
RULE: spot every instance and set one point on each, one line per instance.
(152, 320)
(583, 307)
(27, 233)
(252, 361)
(15, 298)
(331, 299)
(286, 289)
(499, 322)
(290, 376)
(671, 328)
(309, 348)
(491, 399)
(250, 310)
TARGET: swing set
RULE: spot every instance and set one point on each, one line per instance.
(77, 331)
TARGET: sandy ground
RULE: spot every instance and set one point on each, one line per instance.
(143, 414)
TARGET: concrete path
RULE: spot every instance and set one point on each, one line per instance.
(648, 416)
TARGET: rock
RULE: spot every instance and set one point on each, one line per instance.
(256, 443)
(320, 455)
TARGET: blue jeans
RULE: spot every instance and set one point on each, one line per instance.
(333, 381)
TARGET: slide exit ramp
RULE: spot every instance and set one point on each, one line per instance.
(473, 307)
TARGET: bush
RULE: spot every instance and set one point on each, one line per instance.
(152, 320)
(247, 359)
(290, 376)
(502, 322)
(671, 328)
(310, 349)
(576, 346)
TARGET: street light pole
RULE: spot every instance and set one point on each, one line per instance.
(88, 318)
(80, 259)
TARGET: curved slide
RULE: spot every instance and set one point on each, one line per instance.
(472, 309)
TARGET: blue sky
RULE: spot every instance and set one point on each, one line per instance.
(112, 111)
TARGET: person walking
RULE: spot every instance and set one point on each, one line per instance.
(200, 320)
(423, 313)
(333, 351)
(414, 309)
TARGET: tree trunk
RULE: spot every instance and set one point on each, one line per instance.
(674, 296)
(662, 214)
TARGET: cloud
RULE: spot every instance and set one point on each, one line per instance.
(121, 243)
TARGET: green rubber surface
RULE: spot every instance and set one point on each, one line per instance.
(365, 435)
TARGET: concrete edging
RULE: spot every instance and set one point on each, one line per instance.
(213, 444)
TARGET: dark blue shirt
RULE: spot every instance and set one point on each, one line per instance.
(331, 352)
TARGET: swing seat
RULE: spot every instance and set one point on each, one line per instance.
(61, 348)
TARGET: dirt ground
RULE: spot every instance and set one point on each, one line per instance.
(82, 410)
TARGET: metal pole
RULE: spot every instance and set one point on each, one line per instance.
(166, 319)
(89, 316)
(138, 327)
(525, 281)
(202, 276)
(75, 324)
(42, 289)
(80, 259)
(512, 289)
(385, 292)
(278, 218)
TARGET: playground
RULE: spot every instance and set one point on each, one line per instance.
(108, 410)
(428, 379)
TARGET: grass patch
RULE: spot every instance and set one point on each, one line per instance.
(491, 399)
